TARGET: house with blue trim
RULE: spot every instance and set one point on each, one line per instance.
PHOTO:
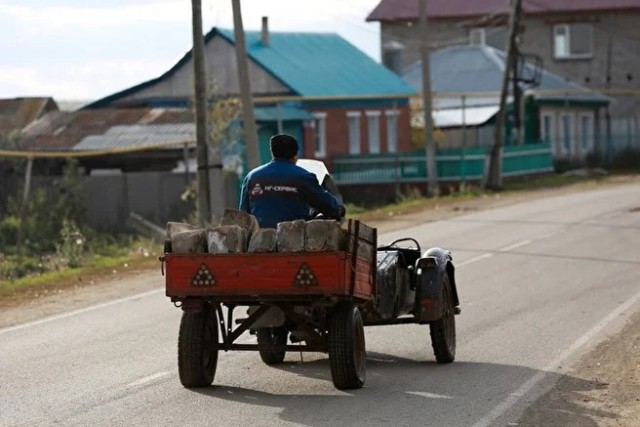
(316, 86)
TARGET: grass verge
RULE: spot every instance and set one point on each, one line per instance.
(128, 256)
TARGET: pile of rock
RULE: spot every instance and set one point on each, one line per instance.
(239, 232)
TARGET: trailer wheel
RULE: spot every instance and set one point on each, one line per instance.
(272, 337)
(443, 330)
(198, 347)
(347, 353)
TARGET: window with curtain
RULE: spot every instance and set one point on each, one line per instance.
(373, 126)
(320, 134)
(586, 133)
(354, 131)
(392, 131)
(566, 133)
(573, 41)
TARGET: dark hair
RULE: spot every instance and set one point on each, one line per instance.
(283, 146)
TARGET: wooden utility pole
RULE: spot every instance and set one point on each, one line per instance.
(429, 143)
(203, 204)
(607, 117)
(24, 207)
(248, 118)
(494, 176)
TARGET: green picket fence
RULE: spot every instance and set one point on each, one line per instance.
(452, 165)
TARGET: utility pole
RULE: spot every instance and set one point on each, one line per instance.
(429, 143)
(518, 107)
(607, 117)
(494, 177)
(248, 118)
(25, 205)
(203, 204)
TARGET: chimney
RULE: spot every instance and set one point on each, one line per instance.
(265, 31)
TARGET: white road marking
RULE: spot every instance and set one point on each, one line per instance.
(511, 400)
(472, 260)
(149, 379)
(76, 312)
(515, 245)
(429, 395)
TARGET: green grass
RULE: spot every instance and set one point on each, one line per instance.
(103, 259)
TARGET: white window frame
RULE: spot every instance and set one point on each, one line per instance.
(566, 147)
(373, 128)
(392, 130)
(477, 37)
(551, 136)
(567, 30)
(319, 134)
(354, 132)
(588, 136)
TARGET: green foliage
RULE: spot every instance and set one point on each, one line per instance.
(69, 204)
(9, 226)
(13, 267)
(44, 215)
(72, 244)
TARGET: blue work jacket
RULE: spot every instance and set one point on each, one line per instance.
(281, 191)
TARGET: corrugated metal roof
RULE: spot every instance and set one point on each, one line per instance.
(125, 128)
(469, 116)
(16, 113)
(391, 10)
(139, 136)
(310, 64)
(64, 130)
(321, 64)
(479, 69)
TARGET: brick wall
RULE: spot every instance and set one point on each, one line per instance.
(337, 131)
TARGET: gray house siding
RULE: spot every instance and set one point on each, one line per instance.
(221, 68)
(621, 28)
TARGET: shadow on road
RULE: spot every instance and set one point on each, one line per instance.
(400, 391)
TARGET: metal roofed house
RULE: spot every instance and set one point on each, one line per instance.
(105, 138)
(316, 86)
(593, 43)
(16, 113)
(466, 82)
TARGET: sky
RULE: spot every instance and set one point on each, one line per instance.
(80, 50)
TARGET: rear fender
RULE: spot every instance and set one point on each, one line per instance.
(430, 271)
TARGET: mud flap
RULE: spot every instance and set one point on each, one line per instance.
(428, 290)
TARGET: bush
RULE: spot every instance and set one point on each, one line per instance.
(9, 227)
(72, 245)
(44, 214)
(12, 268)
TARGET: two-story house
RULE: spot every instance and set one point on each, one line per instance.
(592, 43)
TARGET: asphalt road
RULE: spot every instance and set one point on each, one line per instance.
(540, 283)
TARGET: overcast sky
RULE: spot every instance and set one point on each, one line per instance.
(86, 49)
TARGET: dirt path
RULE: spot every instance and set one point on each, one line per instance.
(601, 389)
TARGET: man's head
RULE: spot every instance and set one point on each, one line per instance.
(284, 146)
